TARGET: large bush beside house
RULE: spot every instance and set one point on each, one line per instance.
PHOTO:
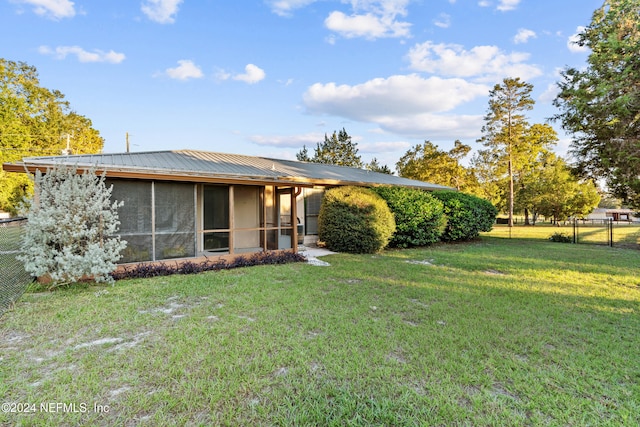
(419, 216)
(71, 233)
(466, 215)
(355, 220)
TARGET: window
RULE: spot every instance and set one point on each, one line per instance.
(312, 202)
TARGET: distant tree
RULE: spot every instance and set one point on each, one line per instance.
(375, 166)
(35, 121)
(338, 149)
(71, 232)
(600, 104)
(492, 170)
(553, 191)
(303, 155)
(609, 202)
(506, 126)
(426, 162)
(492, 182)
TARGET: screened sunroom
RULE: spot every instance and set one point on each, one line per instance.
(163, 220)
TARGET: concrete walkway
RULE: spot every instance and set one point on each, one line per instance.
(311, 253)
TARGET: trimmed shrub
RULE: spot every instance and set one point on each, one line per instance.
(560, 238)
(355, 220)
(467, 215)
(419, 216)
(146, 270)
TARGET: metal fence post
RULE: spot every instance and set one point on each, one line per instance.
(611, 232)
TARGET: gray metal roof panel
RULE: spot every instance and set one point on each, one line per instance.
(205, 163)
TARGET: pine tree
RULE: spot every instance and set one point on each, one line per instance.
(600, 103)
(506, 126)
(338, 149)
(71, 232)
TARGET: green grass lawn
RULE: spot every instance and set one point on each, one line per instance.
(494, 332)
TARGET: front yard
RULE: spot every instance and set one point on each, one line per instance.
(493, 332)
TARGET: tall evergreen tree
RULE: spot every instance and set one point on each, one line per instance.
(338, 149)
(506, 126)
(375, 166)
(600, 104)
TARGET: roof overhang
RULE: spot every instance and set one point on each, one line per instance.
(161, 175)
(216, 168)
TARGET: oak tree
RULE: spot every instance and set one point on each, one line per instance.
(35, 121)
(426, 162)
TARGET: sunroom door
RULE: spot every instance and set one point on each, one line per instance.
(215, 218)
(285, 219)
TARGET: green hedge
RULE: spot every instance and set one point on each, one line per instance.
(355, 220)
(467, 215)
(419, 216)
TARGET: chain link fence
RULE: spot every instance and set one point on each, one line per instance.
(618, 234)
(13, 278)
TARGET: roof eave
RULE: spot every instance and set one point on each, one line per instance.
(203, 177)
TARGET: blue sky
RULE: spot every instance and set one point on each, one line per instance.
(266, 77)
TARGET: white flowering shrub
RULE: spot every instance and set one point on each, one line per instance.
(71, 232)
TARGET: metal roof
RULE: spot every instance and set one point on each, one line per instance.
(203, 165)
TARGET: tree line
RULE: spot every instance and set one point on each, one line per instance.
(517, 170)
(599, 106)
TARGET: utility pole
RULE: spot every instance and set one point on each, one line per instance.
(127, 136)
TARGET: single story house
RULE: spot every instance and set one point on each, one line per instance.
(186, 203)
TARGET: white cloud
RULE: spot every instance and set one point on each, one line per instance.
(435, 126)
(383, 147)
(524, 35)
(503, 5)
(61, 52)
(371, 19)
(161, 11)
(506, 5)
(407, 104)
(185, 70)
(369, 26)
(549, 94)
(396, 95)
(484, 63)
(253, 74)
(443, 21)
(222, 74)
(292, 141)
(572, 43)
(54, 9)
(285, 7)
